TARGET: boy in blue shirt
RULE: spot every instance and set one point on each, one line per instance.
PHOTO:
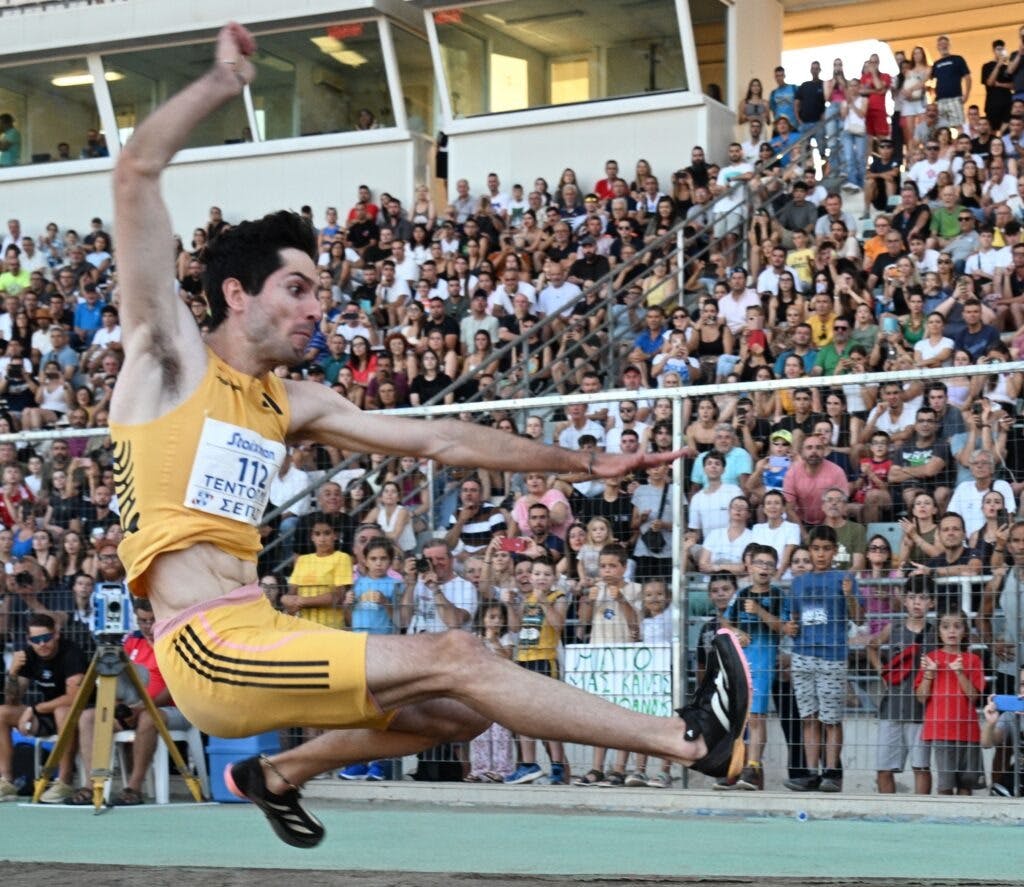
(759, 612)
(821, 602)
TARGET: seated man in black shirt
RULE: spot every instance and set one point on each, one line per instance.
(615, 506)
(438, 319)
(591, 266)
(883, 177)
(54, 666)
(955, 560)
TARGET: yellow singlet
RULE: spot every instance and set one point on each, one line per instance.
(202, 472)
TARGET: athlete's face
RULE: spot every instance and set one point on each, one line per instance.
(279, 323)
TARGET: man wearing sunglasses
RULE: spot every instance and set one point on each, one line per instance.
(54, 666)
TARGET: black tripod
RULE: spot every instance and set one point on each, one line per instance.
(108, 663)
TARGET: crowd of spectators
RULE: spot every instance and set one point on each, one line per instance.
(779, 281)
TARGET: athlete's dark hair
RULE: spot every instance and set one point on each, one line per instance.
(250, 252)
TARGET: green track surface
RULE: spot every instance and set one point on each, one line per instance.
(406, 838)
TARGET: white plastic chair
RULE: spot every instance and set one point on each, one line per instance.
(158, 777)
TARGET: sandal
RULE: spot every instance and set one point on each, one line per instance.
(614, 779)
(472, 778)
(591, 777)
(128, 798)
(81, 798)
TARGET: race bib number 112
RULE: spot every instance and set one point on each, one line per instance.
(232, 472)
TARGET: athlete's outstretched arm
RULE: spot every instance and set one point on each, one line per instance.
(151, 318)
(324, 415)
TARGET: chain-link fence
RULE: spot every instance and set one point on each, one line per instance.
(874, 580)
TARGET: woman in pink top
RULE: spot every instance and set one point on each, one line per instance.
(537, 491)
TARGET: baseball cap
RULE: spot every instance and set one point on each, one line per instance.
(757, 337)
(587, 240)
(782, 434)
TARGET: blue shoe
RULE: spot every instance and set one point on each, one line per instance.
(524, 773)
(375, 772)
(353, 772)
(557, 774)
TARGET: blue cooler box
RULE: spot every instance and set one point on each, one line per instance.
(222, 752)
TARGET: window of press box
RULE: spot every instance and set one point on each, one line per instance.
(709, 29)
(327, 79)
(510, 56)
(416, 72)
(52, 111)
(142, 79)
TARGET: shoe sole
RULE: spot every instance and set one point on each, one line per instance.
(273, 815)
(738, 746)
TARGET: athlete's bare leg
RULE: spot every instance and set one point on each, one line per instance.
(406, 671)
(415, 728)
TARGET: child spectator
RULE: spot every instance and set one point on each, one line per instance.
(871, 486)
(611, 606)
(821, 602)
(759, 613)
(599, 534)
(900, 714)
(319, 580)
(655, 628)
(721, 591)
(656, 625)
(370, 605)
(371, 602)
(949, 686)
(770, 471)
(498, 574)
(782, 689)
(539, 617)
(492, 753)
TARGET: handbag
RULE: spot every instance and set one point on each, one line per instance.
(655, 539)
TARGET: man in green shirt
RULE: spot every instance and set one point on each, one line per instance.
(14, 278)
(945, 225)
(829, 356)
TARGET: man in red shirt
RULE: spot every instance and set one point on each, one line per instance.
(808, 478)
(603, 188)
(139, 649)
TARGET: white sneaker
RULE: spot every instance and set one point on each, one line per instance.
(8, 790)
(56, 793)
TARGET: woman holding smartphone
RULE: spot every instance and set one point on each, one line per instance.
(989, 540)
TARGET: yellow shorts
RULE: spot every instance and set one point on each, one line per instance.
(236, 666)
